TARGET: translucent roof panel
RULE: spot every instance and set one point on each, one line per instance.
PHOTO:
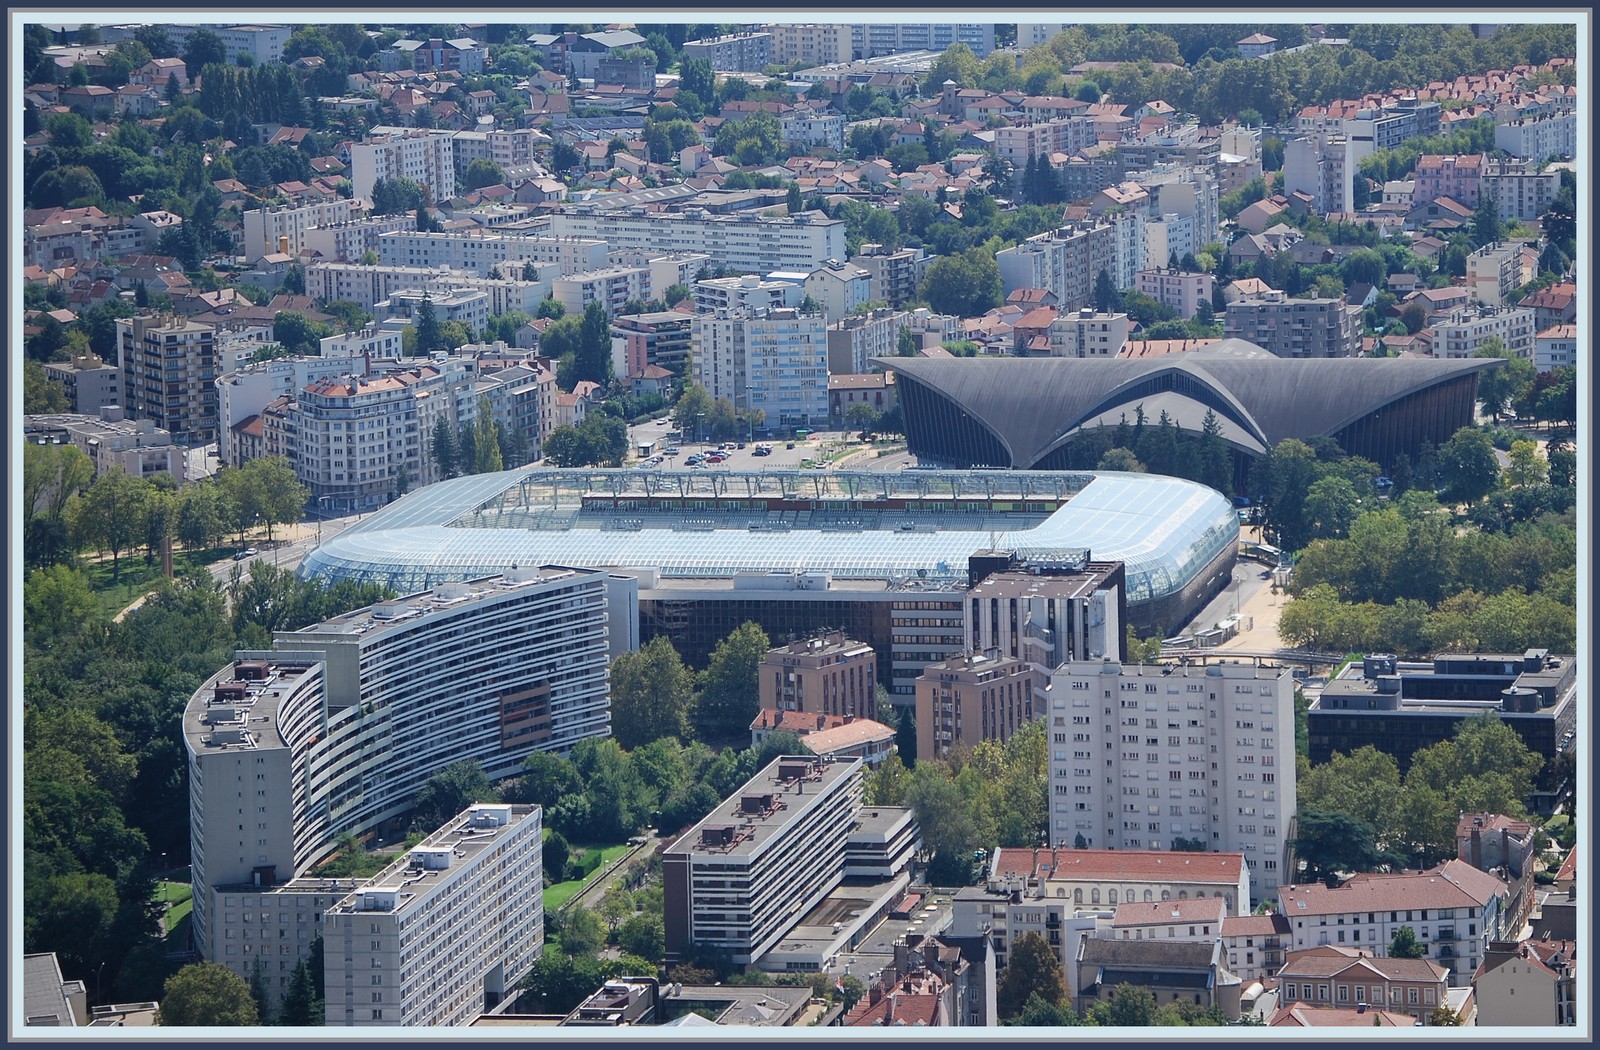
(1164, 529)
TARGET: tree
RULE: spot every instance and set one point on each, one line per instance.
(201, 49)
(592, 359)
(1120, 459)
(430, 334)
(1486, 225)
(1444, 1017)
(450, 791)
(652, 695)
(964, 285)
(557, 855)
(644, 936)
(728, 685)
(1404, 945)
(206, 994)
(1333, 842)
(1505, 383)
(486, 443)
(109, 515)
(300, 1004)
(581, 932)
(265, 491)
(1128, 1007)
(481, 172)
(1468, 465)
(1032, 969)
(1331, 507)
(1525, 467)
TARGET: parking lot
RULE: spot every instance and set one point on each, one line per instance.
(786, 454)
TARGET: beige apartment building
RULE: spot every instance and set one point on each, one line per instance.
(973, 697)
(829, 674)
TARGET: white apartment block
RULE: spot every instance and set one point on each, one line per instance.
(896, 275)
(90, 383)
(349, 241)
(1188, 191)
(856, 341)
(1496, 270)
(1518, 190)
(1019, 143)
(812, 44)
(368, 285)
(1539, 138)
(806, 128)
(482, 251)
(741, 878)
(369, 342)
(736, 52)
(136, 447)
(749, 292)
(1141, 756)
(1065, 261)
(744, 241)
(840, 287)
(283, 229)
(339, 724)
(665, 270)
(466, 306)
(1171, 236)
(1295, 327)
(1556, 347)
(775, 361)
(1178, 289)
(871, 40)
(510, 148)
(612, 287)
(264, 43)
(1321, 167)
(1087, 333)
(446, 931)
(1463, 331)
(246, 392)
(1032, 34)
(419, 156)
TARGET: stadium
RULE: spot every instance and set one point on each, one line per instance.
(798, 550)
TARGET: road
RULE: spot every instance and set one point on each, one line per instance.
(290, 544)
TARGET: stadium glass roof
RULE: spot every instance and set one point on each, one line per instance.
(1164, 529)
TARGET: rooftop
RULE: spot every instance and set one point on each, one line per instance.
(743, 824)
(1120, 865)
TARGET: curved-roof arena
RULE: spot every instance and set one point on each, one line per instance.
(1164, 529)
(1021, 410)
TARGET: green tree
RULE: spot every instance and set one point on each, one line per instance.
(206, 994)
(592, 360)
(1487, 228)
(264, 491)
(1333, 842)
(201, 49)
(300, 1004)
(480, 173)
(430, 333)
(581, 932)
(652, 695)
(1331, 507)
(728, 686)
(1468, 465)
(1032, 970)
(1505, 383)
(109, 515)
(557, 855)
(1404, 945)
(1128, 1007)
(964, 285)
(644, 936)
(444, 448)
(486, 444)
(450, 791)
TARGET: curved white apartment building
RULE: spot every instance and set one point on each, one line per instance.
(337, 726)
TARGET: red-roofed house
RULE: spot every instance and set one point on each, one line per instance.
(1346, 978)
(1454, 909)
(1305, 1015)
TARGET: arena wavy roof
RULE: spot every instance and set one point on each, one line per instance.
(1032, 406)
(1164, 529)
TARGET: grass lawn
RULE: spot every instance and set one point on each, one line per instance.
(559, 893)
(137, 578)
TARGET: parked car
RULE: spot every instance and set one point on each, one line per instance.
(789, 445)
(672, 450)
